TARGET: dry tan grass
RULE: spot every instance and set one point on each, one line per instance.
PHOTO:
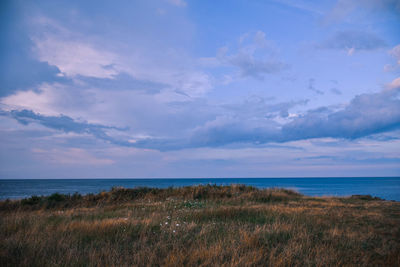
(200, 226)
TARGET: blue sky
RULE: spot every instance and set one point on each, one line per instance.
(181, 88)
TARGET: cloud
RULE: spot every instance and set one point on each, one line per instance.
(226, 130)
(102, 62)
(336, 91)
(101, 46)
(19, 69)
(254, 122)
(22, 73)
(70, 156)
(395, 52)
(365, 115)
(344, 8)
(178, 3)
(251, 67)
(51, 99)
(311, 86)
(259, 39)
(255, 57)
(301, 5)
(65, 124)
(260, 107)
(123, 81)
(74, 58)
(389, 68)
(352, 41)
(191, 83)
(395, 84)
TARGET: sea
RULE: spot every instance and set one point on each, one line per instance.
(384, 187)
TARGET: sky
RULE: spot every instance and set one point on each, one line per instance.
(190, 88)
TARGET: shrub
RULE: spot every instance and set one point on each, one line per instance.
(33, 200)
(56, 197)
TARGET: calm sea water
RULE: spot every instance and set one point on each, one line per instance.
(384, 187)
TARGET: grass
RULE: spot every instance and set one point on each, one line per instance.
(199, 226)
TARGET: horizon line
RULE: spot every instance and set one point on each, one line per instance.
(162, 178)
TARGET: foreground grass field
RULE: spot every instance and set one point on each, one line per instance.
(199, 226)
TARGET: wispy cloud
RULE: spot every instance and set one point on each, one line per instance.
(352, 41)
(122, 81)
(395, 52)
(70, 156)
(65, 124)
(344, 8)
(311, 86)
(335, 91)
(179, 3)
(255, 56)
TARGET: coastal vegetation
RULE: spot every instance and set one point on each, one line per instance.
(206, 225)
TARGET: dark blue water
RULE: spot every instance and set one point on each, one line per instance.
(384, 187)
